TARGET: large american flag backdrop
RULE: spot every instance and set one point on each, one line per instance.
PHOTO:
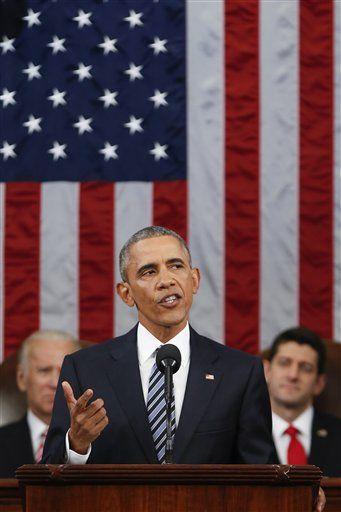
(220, 120)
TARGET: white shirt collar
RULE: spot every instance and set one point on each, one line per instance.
(303, 422)
(147, 344)
(37, 427)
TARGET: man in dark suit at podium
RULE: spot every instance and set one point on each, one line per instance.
(295, 374)
(222, 408)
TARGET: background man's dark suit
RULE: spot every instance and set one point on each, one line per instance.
(223, 420)
(325, 444)
(15, 447)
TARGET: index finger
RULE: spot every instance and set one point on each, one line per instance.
(82, 401)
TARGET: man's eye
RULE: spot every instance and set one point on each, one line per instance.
(177, 265)
(283, 362)
(307, 368)
(148, 272)
(43, 370)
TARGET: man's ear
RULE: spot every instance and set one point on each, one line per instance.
(21, 378)
(320, 384)
(196, 279)
(123, 290)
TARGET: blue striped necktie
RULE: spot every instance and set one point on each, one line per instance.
(156, 409)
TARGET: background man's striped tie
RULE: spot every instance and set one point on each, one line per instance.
(156, 408)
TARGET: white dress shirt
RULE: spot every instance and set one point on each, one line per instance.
(147, 344)
(37, 428)
(303, 423)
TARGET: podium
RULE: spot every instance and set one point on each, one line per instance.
(173, 488)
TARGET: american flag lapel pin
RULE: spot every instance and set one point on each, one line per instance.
(209, 376)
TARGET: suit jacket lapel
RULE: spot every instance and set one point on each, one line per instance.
(124, 375)
(25, 449)
(319, 442)
(199, 391)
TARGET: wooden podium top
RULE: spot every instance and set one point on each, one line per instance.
(209, 474)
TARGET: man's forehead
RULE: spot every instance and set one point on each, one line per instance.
(41, 349)
(166, 246)
(296, 350)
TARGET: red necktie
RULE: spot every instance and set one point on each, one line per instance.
(296, 452)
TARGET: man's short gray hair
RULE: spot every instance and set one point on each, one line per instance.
(50, 336)
(143, 234)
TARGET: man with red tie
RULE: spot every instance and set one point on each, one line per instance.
(295, 374)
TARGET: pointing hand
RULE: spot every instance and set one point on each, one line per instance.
(87, 421)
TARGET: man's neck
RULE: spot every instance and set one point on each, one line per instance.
(288, 414)
(45, 418)
(164, 333)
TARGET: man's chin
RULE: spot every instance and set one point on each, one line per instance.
(291, 403)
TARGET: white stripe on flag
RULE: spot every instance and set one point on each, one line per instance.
(2, 254)
(337, 170)
(59, 242)
(205, 115)
(133, 211)
(279, 167)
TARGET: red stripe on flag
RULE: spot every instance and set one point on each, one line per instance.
(96, 261)
(170, 206)
(242, 170)
(21, 279)
(316, 166)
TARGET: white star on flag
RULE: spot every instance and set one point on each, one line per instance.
(58, 150)
(82, 71)
(7, 97)
(109, 151)
(108, 45)
(7, 150)
(32, 18)
(83, 125)
(109, 98)
(57, 45)
(83, 18)
(33, 124)
(57, 97)
(134, 18)
(32, 71)
(134, 125)
(159, 46)
(159, 98)
(7, 45)
(159, 151)
(134, 72)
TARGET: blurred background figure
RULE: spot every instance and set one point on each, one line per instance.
(295, 372)
(39, 361)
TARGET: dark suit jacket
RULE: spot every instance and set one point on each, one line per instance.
(325, 449)
(15, 447)
(224, 420)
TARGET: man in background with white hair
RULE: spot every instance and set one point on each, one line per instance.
(39, 362)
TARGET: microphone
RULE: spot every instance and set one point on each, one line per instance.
(168, 355)
(168, 361)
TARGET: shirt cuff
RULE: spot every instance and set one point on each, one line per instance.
(73, 457)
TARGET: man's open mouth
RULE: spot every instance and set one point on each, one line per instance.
(170, 299)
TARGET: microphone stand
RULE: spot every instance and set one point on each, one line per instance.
(168, 397)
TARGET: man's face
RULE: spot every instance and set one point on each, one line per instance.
(292, 375)
(161, 284)
(40, 379)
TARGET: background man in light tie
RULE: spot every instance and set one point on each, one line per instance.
(39, 363)
(295, 375)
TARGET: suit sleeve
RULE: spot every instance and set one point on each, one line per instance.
(254, 440)
(54, 448)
